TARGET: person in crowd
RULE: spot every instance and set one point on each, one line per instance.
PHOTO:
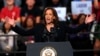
(96, 10)
(75, 22)
(31, 9)
(97, 40)
(16, 3)
(51, 30)
(82, 0)
(24, 40)
(7, 42)
(81, 19)
(1, 4)
(29, 24)
(80, 40)
(10, 11)
(54, 3)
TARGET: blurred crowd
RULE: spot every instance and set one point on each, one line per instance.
(36, 21)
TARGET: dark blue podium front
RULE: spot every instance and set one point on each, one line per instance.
(50, 49)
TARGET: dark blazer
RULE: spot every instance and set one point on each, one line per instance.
(39, 33)
(58, 34)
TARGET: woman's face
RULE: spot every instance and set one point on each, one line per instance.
(30, 2)
(82, 19)
(7, 26)
(49, 16)
(55, 1)
(74, 17)
(29, 22)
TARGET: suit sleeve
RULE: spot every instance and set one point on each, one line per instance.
(23, 32)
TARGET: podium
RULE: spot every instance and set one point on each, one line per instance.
(50, 49)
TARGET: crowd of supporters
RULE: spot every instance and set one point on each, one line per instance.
(36, 21)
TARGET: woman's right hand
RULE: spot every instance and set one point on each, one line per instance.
(11, 22)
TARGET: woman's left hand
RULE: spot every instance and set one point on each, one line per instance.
(90, 18)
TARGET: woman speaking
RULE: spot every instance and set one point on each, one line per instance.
(51, 30)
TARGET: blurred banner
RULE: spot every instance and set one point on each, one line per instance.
(81, 0)
(78, 7)
(61, 11)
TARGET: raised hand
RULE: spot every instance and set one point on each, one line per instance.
(89, 19)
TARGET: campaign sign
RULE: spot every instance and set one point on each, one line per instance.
(79, 7)
(61, 11)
